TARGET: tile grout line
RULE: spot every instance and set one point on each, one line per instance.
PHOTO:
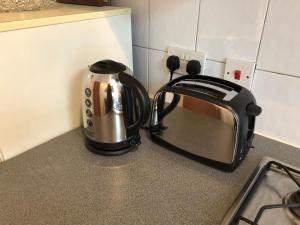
(259, 43)
(148, 43)
(139, 46)
(259, 48)
(198, 22)
(262, 31)
(214, 60)
(278, 73)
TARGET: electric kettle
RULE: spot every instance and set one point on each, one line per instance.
(114, 107)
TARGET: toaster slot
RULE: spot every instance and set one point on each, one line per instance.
(210, 89)
(222, 86)
(205, 90)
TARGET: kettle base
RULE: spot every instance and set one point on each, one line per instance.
(112, 149)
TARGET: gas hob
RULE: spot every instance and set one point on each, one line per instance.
(270, 197)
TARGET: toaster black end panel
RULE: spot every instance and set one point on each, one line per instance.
(246, 126)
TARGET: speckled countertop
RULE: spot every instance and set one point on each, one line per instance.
(60, 182)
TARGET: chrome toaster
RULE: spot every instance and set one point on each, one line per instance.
(205, 118)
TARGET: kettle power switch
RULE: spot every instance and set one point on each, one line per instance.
(88, 103)
(88, 92)
(89, 123)
(89, 113)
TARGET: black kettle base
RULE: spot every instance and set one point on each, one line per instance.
(110, 149)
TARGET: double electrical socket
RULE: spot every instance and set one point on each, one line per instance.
(185, 56)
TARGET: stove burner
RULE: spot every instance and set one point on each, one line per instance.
(290, 203)
(293, 213)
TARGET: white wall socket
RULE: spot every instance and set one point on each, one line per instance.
(240, 72)
(185, 56)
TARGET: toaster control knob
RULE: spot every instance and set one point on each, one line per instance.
(88, 92)
(253, 110)
(88, 103)
(89, 123)
(89, 113)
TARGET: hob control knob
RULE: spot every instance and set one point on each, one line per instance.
(89, 123)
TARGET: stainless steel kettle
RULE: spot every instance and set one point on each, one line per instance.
(114, 107)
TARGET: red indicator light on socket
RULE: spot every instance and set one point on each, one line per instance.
(237, 74)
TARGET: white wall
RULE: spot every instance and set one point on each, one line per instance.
(40, 76)
(264, 31)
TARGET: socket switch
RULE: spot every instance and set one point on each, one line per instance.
(240, 72)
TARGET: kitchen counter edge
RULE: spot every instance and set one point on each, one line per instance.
(63, 13)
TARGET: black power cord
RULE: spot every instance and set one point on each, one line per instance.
(173, 64)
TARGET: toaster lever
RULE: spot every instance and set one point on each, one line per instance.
(253, 109)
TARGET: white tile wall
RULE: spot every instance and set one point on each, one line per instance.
(279, 97)
(140, 65)
(280, 49)
(140, 19)
(173, 22)
(214, 69)
(240, 29)
(231, 28)
(158, 73)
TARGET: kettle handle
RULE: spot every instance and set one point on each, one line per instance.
(143, 100)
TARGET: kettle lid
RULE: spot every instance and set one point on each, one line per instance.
(107, 67)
